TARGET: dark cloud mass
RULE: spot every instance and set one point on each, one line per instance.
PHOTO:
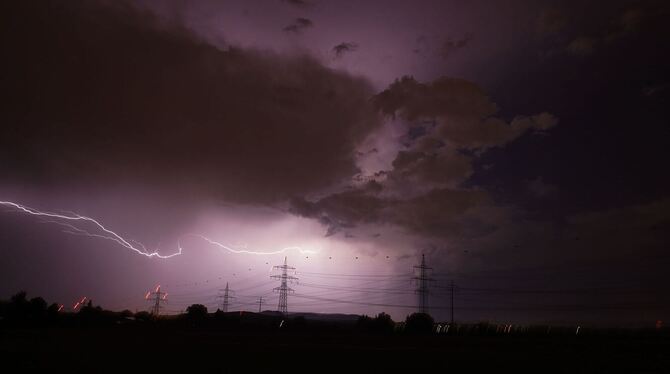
(518, 144)
(451, 45)
(584, 28)
(95, 92)
(438, 213)
(299, 3)
(440, 47)
(298, 25)
(343, 48)
(463, 113)
(424, 191)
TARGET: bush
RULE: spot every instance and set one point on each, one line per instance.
(52, 311)
(419, 323)
(38, 308)
(196, 312)
(219, 315)
(383, 323)
(364, 323)
(143, 316)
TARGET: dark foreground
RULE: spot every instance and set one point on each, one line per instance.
(189, 348)
(34, 336)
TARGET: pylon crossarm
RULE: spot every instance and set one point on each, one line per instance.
(283, 267)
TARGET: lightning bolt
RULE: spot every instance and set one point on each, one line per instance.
(232, 250)
(67, 220)
(106, 233)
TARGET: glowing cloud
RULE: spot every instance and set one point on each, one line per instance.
(137, 247)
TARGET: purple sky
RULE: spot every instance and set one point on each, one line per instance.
(516, 145)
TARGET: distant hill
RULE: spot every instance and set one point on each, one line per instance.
(318, 316)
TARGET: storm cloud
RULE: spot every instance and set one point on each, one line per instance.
(532, 152)
(95, 92)
(345, 47)
(298, 25)
(449, 124)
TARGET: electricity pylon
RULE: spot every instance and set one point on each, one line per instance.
(156, 296)
(283, 289)
(422, 283)
(226, 298)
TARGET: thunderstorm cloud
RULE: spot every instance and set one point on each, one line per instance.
(99, 92)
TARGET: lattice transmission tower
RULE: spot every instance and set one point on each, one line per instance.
(226, 298)
(423, 280)
(283, 288)
(156, 297)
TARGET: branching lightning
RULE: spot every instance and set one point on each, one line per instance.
(107, 233)
(67, 220)
(232, 250)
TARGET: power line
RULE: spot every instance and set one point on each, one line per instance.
(355, 289)
(451, 284)
(384, 290)
(339, 275)
(574, 307)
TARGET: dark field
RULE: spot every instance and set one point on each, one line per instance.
(183, 347)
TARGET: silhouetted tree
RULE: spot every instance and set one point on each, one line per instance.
(126, 313)
(419, 323)
(52, 311)
(364, 323)
(142, 316)
(219, 314)
(196, 312)
(37, 308)
(383, 323)
(93, 314)
(18, 307)
(4, 308)
(19, 298)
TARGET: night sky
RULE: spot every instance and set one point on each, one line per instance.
(521, 146)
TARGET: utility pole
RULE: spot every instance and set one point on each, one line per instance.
(226, 298)
(283, 289)
(156, 296)
(260, 304)
(422, 282)
(451, 284)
